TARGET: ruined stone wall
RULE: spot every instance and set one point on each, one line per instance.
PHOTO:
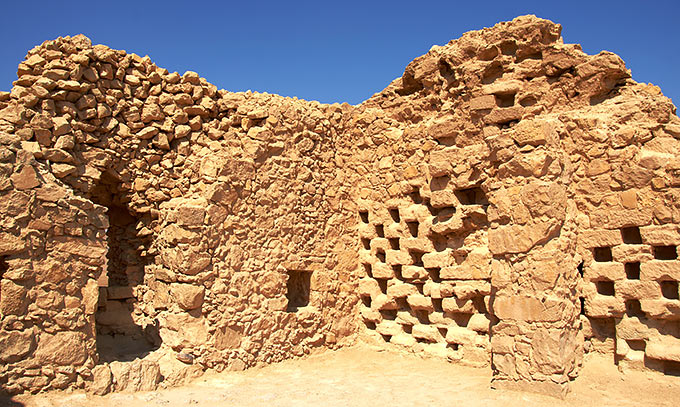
(490, 206)
(227, 241)
(498, 163)
(52, 251)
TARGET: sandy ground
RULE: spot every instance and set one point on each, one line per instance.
(364, 376)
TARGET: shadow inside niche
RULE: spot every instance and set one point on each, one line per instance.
(126, 341)
(7, 401)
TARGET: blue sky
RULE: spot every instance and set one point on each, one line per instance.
(341, 51)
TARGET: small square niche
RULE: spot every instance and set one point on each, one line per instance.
(602, 254)
(297, 289)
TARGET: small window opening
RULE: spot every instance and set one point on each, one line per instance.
(671, 368)
(394, 213)
(423, 316)
(297, 289)
(364, 216)
(434, 274)
(636, 344)
(388, 314)
(397, 271)
(602, 254)
(381, 255)
(402, 303)
(370, 325)
(632, 270)
(634, 309)
(380, 230)
(382, 283)
(420, 287)
(462, 320)
(437, 303)
(580, 269)
(631, 235)
(413, 228)
(665, 252)
(366, 242)
(386, 338)
(605, 287)
(366, 300)
(417, 258)
(442, 331)
(583, 305)
(368, 269)
(407, 328)
(505, 100)
(471, 196)
(453, 346)
(415, 197)
(669, 289)
(394, 243)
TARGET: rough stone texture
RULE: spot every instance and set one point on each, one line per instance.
(462, 212)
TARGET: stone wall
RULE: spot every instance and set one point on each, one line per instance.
(505, 184)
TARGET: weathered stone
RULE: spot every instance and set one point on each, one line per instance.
(187, 296)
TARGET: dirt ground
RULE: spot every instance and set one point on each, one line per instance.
(364, 376)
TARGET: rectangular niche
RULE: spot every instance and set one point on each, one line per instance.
(297, 289)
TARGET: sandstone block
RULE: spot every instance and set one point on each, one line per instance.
(138, 375)
(15, 345)
(62, 349)
(188, 296)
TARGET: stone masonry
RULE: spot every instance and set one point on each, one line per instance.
(508, 202)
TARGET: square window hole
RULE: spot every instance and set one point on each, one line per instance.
(370, 325)
(397, 271)
(631, 235)
(453, 346)
(366, 243)
(366, 300)
(462, 320)
(388, 314)
(636, 344)
(423, 316)
(437, 304)
(380, 230)
(413, 228)
(415, 197)
(671, 368)
(381, 255)
(634, 309)
(368, 269)
(505, 100)
(364, 216)
(394, 243)
(602, 254)
(632, 270)
(402, 303)
(382, 283)
(605, 287)
(417, 258)
(297, 289)
(669, 289)
(471, 196)
(407, 328)
(665, 252)
(394, 213)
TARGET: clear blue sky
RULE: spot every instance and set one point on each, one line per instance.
(342, 51)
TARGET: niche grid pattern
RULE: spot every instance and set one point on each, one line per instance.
(413, 293)
(630, 289)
